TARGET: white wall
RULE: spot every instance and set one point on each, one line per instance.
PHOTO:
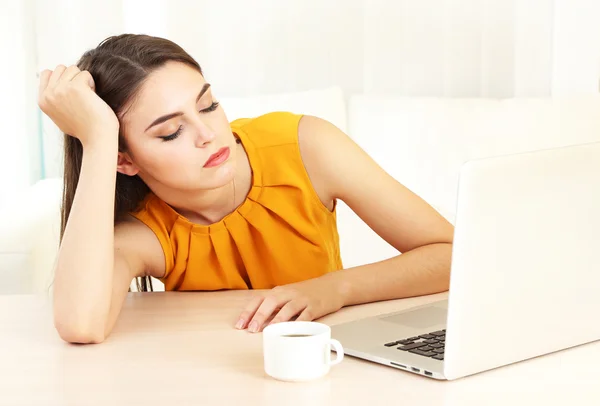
(449, 48)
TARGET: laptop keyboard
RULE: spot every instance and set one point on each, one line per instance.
(428, 345)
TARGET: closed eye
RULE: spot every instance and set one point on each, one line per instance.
(210, 108)
(171, 137)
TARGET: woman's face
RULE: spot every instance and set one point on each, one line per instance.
(173, 129)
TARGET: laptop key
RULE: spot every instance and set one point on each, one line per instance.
(391, 344)
(437, 345)
(438, 350)
(426, 348)
(438, 357)
(412, 346)
(430, 341)
(423, 353)
(438, 333)
(404, 342)
(427, 336)
(412, 339)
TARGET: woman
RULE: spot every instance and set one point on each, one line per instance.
(204, 204)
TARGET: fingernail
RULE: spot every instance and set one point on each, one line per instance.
(253, 326)
(240, 324)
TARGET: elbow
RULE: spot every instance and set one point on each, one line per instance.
(79, 332)
(78, 324)
(79, 335)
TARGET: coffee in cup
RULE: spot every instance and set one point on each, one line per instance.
(299, 350)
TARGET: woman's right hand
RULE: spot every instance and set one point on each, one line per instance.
(68, 97)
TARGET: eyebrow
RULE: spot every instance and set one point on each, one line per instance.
(167, 117)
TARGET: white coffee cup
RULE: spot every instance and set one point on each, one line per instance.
(299, 350)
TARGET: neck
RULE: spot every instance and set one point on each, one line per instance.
(207, 207)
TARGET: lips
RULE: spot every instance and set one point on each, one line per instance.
(218, 157)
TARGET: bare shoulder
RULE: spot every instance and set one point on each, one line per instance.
(139, 246)
(317, 138)
(340, 169)
(330, 156)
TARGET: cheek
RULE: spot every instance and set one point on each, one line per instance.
(221, 122)
(167, 160)
(159, 159)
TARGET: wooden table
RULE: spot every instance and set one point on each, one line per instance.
(181, 349)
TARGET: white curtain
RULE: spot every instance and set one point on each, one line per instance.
(19, 147)
(443, 48)
(64, 30)
(451, 48)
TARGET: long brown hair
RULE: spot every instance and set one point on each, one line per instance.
(119, 66)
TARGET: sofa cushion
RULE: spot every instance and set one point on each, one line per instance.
(29, 238)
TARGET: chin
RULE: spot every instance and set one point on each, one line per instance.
(219, 176)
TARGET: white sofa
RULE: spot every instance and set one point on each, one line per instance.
(422, 142)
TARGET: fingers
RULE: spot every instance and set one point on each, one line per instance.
(55, 77)
(306, 315)
(86, 78)
(288, 311)
(279, 306)
(63, 74)
(248, 312)
(51, 80)
(69, 74)
(44, 78)
(264, 312)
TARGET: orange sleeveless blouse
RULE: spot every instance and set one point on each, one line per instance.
(282, 233)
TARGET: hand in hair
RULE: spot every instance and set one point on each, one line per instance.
(67, 96)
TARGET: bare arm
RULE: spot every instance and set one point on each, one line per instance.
(399, 216)
(83, 280)
(96, 261)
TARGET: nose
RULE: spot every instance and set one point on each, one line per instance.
(204, 134)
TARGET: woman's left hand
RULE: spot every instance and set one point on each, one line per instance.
(309, 300)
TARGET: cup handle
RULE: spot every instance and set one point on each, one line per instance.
(338, 349)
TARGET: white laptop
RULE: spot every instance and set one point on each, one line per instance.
(525, 273)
